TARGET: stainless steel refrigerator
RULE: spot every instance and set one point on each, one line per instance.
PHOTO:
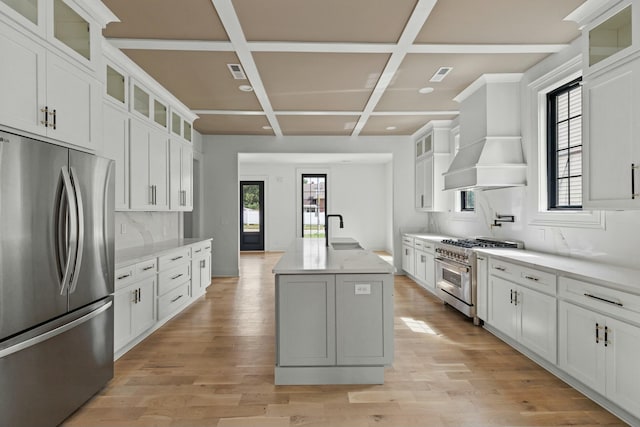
(56, 280)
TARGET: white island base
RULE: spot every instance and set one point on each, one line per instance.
(334, 316)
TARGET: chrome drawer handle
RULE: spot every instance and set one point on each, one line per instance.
(535, 279)
(619, 304)
(175, 277)
(176, 298)
(124, 276)
(176, 258)
(500, 268)
(198, 251)
(148, 268)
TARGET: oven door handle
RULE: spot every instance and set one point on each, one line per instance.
(454, 265)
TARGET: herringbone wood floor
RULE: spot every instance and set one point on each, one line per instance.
(212, 365)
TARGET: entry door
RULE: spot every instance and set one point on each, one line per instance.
(251, 215)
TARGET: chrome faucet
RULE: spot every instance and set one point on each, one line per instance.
(326, 225)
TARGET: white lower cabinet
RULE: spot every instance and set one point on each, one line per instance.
(200, 268)
(602, 353)
(481, 286)
(524, 315)
(174, 281)
(133, 311)
(334, 320)
(408, 259)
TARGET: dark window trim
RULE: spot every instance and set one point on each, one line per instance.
(326, 197)
(552, 160)
(463, 202)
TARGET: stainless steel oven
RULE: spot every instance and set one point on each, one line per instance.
(456, 284)
(456, 276)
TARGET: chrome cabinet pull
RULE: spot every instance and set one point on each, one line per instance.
(139, 294)
(151, 194)
(54, 119)
(176, 276)
(606, 336)
(619, 304)
(480, 259)
(202, 264)
(198, 251)
(500, 268)
(148, 268)
(535, 279)
(511, 302)
(124, 276)
(176, 298)
(135, 296)
(176, 258)
(515, 300)
(598, 327)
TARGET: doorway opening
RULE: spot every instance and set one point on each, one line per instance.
(314, 203)
(252, 215)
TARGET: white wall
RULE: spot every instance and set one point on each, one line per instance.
(603, 236)
(359, 192)
(221, 195)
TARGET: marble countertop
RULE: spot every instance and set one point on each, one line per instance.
(128, 256)
(431, 237)
(311, 256)
(623, 278)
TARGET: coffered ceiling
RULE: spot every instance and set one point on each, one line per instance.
(332, 67)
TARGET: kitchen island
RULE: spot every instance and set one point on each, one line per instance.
(334, 315)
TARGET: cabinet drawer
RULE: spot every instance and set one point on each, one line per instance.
(418, 244)
(146, 268)
(428, 247)
(407, 240)
(533, 278)
(174, 258)
(200, 248)
(170, 279)
(601, 298)
(173, 300)
(124, 276)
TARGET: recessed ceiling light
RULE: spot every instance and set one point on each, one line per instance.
(245, 88)
(391, 128)
(425, 90)
(266, 127)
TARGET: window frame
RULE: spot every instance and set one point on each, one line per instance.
(464, 201)
(552, 146)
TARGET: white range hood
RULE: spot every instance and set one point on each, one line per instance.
(492, 162)
(490, 154)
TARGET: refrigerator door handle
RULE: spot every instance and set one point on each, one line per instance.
(71, 231)
(54, 332)
(79, 213)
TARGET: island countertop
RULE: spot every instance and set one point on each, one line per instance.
(311, 256)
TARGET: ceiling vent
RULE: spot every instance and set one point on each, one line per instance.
(441, 74)
(237, 72)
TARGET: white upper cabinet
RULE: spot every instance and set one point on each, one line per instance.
(148, 167)
(180, 176)
(611, 98)
(49, 78)
(116, 147)
(432, 160)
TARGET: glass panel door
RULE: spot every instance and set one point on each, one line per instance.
(71, 29)
(314, 202)
(26, 8)
(251, 215)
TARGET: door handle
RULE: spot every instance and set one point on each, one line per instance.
(45, 122)
(71, 230)
(54, 119)
(511, 299)
(80, 220)
(633, 180)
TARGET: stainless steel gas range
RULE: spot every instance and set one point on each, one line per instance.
(456, 271)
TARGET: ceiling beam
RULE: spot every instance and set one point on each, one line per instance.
(414, 25)
(308, 47)
(231, 23)
(328, 113)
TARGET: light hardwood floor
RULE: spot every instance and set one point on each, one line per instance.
(213, 364)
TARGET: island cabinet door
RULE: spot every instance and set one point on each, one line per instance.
(364, 319)
(306, 320)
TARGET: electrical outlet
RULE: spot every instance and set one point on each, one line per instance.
(123, 228)
(363, 289)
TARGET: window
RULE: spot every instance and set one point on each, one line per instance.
(314, 199)
(467, 201)
(564, 147)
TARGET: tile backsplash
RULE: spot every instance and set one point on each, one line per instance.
(144, 228)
